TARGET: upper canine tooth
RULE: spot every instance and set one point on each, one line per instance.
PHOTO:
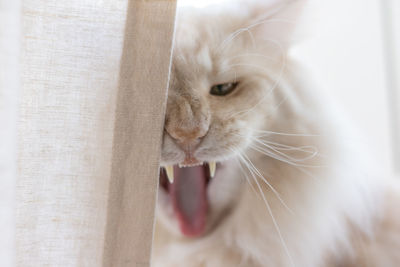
(170, 173)
(212, 166)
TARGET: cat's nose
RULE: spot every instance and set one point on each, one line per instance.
(187, 121)
(187, 138)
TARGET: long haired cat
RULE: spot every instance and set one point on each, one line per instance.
(256, 169)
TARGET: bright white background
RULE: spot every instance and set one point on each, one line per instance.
(351, 54)
(346, 55)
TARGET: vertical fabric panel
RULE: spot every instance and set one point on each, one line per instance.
(70, 67)
(139, 126)
(94, 79)
(9, 87)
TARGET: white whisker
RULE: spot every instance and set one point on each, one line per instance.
(244, 65)
(277, 157)
(306, 149)
(266, 133)
(252, 55)
(258, 173)
(246, 176)
(272, 216)
(291, 148)
(274, 85)
(312, 155)
(236, 33)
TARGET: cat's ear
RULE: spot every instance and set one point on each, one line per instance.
(277, 20)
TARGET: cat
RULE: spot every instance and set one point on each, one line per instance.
(257, 168)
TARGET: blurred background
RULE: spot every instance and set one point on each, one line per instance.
(353, 52)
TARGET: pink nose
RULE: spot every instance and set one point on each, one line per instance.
(186, 139)
(187, 122)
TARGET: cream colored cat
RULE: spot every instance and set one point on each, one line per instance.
(282, 181)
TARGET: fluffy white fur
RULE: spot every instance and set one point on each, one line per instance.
(293, 188)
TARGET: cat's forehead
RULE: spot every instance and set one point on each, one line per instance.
(200, 56)
(195, 46)
(193, 60)
(190, 72)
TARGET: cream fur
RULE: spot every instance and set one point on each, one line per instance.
(336, 201)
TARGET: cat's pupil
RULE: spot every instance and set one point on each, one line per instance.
(223, 88)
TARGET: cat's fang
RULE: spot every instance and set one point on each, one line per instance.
(170, 173)
(212, 166)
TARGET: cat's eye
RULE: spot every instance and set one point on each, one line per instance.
(223, 88)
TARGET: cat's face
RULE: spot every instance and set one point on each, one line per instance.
(220, 94)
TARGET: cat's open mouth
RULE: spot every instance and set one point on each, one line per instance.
(187, 189)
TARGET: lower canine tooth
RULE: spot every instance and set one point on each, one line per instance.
(212, 166)
(170, 173)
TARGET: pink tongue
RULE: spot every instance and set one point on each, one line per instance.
(188, 195)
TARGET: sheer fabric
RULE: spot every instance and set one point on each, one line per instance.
(82, 141)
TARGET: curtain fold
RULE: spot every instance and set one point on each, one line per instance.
(94, 77)
(141, 103)
(9, 87)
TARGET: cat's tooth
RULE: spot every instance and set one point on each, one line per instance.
(170, 173)
(212, 166)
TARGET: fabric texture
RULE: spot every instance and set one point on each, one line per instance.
(9, 84)
(94, 76)
(141, 104)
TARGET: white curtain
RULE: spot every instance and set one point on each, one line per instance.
(83, 150)
(9, 82)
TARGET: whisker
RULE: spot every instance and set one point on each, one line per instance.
(231, 37)
(275, 84)
(280, 103)
(266, 133)
(246, 176)
(313, 154)
(281, 146)
(269, 150)
(277, 157)
(244, 65)
(252, 55)
(273, 220)
(237, 32)
(258, 173)
(237, 152)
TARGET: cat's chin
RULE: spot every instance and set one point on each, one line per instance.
(190, 206)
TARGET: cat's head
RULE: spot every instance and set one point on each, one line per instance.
(227, 62)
